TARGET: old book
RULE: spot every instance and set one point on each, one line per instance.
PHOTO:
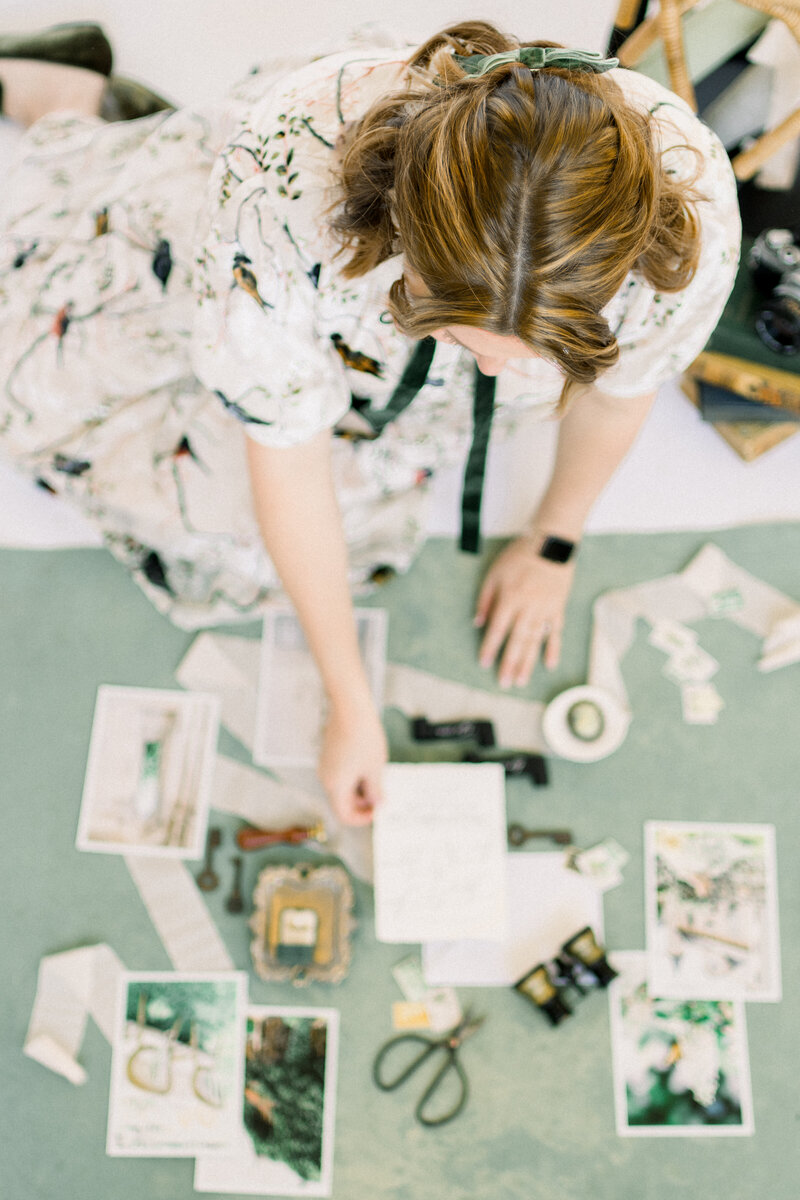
(720, 404)
(754, 381)
(749, 439)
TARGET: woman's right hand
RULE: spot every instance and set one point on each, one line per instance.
(354, 753)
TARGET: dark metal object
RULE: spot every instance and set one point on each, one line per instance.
(235, 902)
(208, 879)
(538, 987)
(518, 835)
(532, 765)
(775, 263)
(449, 1043)
(482, 732)
(585, 949)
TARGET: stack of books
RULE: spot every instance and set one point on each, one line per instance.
(751, 394)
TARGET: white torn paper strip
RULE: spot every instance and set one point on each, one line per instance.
(687, 597)
(71, 987)
(416, 693)
(226, 664)
(272, 804)
(179, 914)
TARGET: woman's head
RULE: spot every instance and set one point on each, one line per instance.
(520, 199)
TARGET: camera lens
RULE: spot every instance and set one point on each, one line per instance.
(778, 322)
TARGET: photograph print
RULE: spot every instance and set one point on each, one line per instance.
(285, 1147)
(177, 1064)
(680, 1067)
(149, 773)
(712, 911)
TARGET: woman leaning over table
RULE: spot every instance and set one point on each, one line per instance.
(208, 316)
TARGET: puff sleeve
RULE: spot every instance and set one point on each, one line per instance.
(660, 333)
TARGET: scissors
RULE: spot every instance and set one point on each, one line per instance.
(449, 1043)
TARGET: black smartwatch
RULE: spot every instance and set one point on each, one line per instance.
(556, 549)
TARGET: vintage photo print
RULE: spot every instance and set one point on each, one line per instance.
(177, 1064)
(149, 773)
(711, 911)
(291, 708)
(285, 1147)
(680, 1066)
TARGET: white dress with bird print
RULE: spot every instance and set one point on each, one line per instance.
(169, 288)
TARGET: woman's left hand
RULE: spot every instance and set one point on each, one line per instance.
(521, 606)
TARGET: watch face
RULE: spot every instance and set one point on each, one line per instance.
(556, 549)
(298, 927)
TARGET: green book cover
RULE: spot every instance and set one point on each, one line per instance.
(736, 336)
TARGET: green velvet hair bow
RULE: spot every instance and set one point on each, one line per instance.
(537, 57)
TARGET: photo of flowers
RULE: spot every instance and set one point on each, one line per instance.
(680, 1067)
(149, 772)
(176, 1066)
(711, 910)
(285, 1146)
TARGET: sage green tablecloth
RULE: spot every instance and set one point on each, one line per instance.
(540, 1122)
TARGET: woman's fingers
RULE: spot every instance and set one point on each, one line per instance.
(521, 652)
(485, 600)
(500, 624)
(552, 654)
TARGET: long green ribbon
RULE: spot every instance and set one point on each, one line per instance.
(410, 382)
(472, 490)
(538, 57)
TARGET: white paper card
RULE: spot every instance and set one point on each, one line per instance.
(711, 910)
(291, 710)
(547, 904)
(439, 846)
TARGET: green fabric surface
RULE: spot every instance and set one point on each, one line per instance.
(539, 1124)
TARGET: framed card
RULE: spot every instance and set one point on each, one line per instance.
(285, 1146)
(711, 911)
(681, 1067)
(149, 773)
(177, 1064)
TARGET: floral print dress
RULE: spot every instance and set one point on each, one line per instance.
(169, 288)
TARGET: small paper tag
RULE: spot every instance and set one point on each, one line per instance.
(672, 637)
(602, 864)
(728, 600)
(701, 703)
(691, 666)
(443, 1008)
(409, 978)
(407, 1014)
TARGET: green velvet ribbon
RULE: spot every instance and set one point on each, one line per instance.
(472, 490)
(538, 57)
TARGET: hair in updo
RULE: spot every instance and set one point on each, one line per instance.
(522, 199)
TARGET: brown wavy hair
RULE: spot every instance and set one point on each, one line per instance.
(522, 200)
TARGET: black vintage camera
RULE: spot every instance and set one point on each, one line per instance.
(775, 262)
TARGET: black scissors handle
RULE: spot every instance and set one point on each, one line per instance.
(429, 1047)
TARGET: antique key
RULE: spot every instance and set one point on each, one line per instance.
(517, 835)
(208, 879)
